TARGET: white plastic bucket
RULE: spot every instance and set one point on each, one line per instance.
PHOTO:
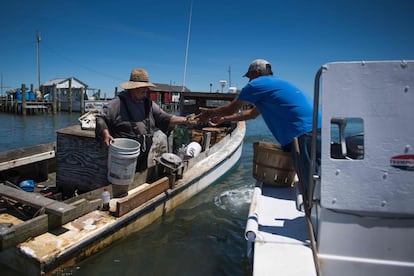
(122, 160)
(193, 149)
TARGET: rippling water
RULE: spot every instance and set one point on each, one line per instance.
(204, 236)
(18, 131)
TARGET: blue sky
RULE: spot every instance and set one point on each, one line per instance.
(99, 42)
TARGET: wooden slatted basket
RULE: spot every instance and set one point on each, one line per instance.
(272, 165)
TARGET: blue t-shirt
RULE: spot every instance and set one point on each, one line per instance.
(287, 110)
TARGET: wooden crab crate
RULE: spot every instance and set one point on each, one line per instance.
(272, 165)
(217, 133)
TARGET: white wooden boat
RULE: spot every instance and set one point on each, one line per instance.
(358, 218)
(62, 233)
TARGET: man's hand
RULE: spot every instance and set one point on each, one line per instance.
(204, 115)
(216, 121)
(107, 138)
(192, 120)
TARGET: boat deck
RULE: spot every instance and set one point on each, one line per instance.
(281, 242)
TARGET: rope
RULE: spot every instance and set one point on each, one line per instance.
(306, 207)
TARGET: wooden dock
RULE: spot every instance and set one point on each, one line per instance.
(29, 107)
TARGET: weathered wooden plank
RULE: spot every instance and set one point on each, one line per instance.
(26, 160)
(139, 179)
(19, 157)
(15, 234)
(79, 156)
(26, 151)
(130, 202)
(61, 213)
(32, 199)
(77, 131)
(83, 207)
(58, 212)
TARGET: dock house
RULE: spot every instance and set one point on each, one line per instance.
(70, 93)
(167, 95)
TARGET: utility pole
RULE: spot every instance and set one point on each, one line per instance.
(186, 48)
(38, 39)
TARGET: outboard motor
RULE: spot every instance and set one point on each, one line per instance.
(355, 146)
(347, 147)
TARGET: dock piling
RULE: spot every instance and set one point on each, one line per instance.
(23, 106)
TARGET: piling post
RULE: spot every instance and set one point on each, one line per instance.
(23, 99)
(70, 96)
(31, 111)
(82, 100)
(10, 106)
(13, 100)
(59, 98)
(42, 93)
(54, 99)
(6, 104)
(116, 91)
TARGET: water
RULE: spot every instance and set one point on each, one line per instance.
(204, 236)
(18, 131)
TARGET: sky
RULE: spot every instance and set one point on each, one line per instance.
(100, 42)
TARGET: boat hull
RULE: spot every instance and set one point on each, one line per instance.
(50, 252)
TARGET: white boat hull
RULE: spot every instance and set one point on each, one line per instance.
(86, 235)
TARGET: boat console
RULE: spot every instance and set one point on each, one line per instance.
(363, 206)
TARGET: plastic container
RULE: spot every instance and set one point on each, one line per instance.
(122, 160)
(30, 96)
(193, 149)
(27, 185)
(106, 197)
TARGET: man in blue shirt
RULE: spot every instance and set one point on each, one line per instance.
(286, 110)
